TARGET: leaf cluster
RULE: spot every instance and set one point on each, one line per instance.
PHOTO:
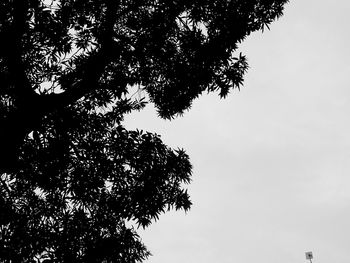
(83, 177)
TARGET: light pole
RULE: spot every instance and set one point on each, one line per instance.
(309, 256)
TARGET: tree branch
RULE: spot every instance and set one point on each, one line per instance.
(23, 91)
(85, 78)
(30, 107)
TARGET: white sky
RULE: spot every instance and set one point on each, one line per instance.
(271, 171)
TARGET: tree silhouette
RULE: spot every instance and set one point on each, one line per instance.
(74, 181)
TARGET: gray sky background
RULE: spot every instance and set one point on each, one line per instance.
(271, 162)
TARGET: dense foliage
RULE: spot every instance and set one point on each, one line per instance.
(74, 182)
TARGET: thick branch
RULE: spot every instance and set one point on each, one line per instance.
(85, 78)
(31, 107)
(14, 53)
(84, 81)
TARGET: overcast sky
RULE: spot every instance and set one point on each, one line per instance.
(271, 162)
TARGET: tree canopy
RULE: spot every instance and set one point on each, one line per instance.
(74, 181)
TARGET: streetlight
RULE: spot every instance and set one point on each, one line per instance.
(309, 256)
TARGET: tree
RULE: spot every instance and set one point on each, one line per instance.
(74, 181)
